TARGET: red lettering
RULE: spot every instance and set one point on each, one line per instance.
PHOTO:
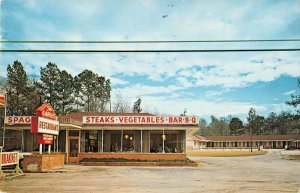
(21, 120)
(180, 120)
(186, 120)
(10, 119)
(143, 120)
(87, 119)
(28, 119)
(130, 119)
(193, 120)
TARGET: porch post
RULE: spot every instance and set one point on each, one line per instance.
(141, 141)
(79, 141)
(121, 140)
(67, 144)
(23, 144)
(163, 138)
(102, 141)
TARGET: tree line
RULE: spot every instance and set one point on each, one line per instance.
(86, 91)
(282, 123)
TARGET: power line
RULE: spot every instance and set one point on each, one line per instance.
(148, 51)
(144, 42)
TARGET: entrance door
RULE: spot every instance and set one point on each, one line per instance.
(73, 150)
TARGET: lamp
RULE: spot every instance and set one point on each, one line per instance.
(126, 136)
(163, 137)
(130, 138)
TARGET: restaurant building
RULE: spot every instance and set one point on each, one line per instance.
(107, 135)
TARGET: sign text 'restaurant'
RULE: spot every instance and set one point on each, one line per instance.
(180, 120)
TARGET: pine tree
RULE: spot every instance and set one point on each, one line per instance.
(49, 84)
(66, 92)
(85, 89)
(16, 88)
(137, 106)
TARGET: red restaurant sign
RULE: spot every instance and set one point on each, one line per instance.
(2, 99)
(43, 125)
(45, 121)
(45, 139)
(153, 120)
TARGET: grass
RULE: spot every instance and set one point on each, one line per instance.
(224, 153)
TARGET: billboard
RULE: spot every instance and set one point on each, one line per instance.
(18, 120)
(152, 120)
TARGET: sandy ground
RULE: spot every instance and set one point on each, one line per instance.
(263, 173)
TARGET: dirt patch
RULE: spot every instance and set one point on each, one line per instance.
(293, 157)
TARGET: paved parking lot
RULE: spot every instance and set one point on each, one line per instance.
(264, 173)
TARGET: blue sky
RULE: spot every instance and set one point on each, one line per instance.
(204, 83)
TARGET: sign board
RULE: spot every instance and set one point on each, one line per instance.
(2, 99)
(46, 111)
(44, 125)
(152, 120)
(9, 158)
(45, 139)
(12, 120)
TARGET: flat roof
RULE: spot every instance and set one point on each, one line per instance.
(248, 138)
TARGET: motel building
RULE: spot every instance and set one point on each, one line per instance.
(106, 135)
(197, 142)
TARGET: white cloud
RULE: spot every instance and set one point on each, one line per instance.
(117, 81)
(289, 92)
(198, 107)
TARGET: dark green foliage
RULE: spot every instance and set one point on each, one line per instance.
(66, 92)
(85, 92)
(22, 95)
(92, 92)
(236, 126)
(137, 106)
(295, 102)
(216, 127)
(49, 84)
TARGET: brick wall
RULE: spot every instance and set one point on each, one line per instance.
(136, 156)
(43, 163)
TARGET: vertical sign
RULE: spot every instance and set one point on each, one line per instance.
(2, 100)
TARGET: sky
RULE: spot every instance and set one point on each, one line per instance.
(204, 84)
